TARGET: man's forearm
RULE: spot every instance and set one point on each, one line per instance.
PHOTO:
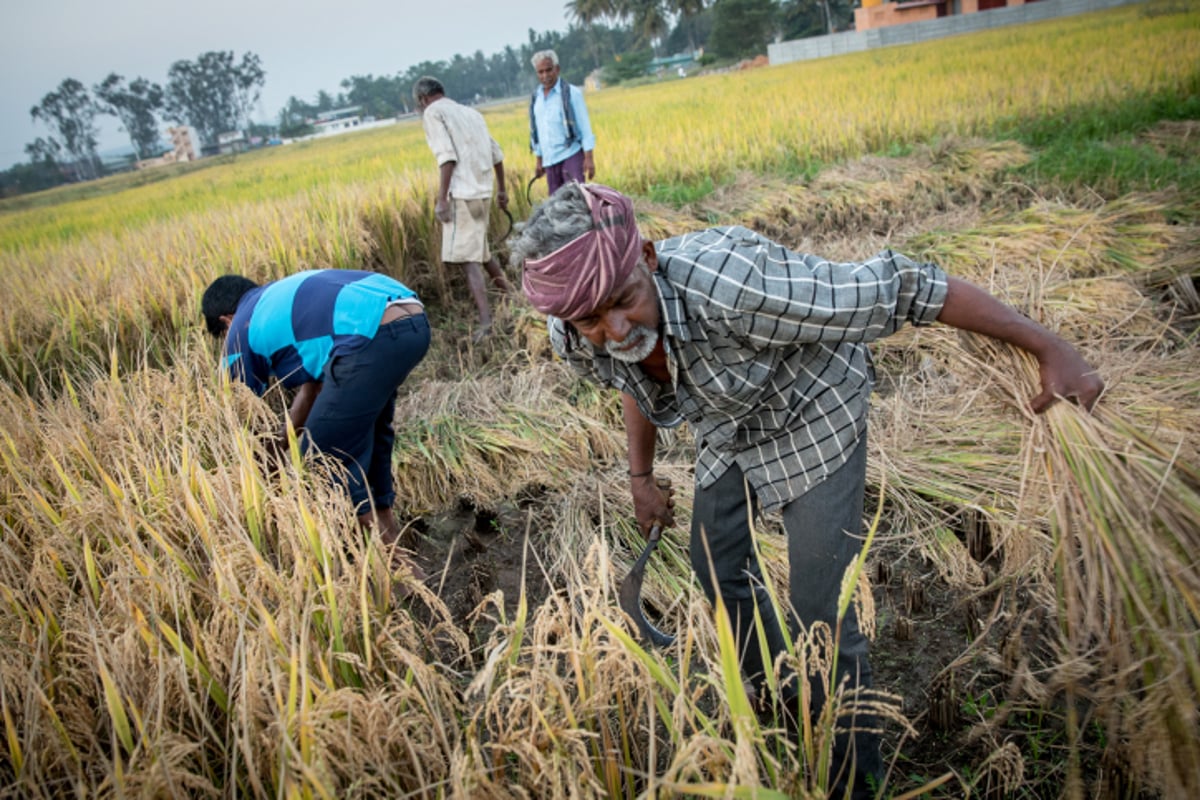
(970, 308)
(445, 173)
(641, 435)
(302, 403)
(498, 168)
(1063, 370)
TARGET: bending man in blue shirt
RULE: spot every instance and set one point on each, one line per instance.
(560, 133)
(764, 352)
(343, 341)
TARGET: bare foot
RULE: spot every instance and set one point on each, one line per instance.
(481, 333)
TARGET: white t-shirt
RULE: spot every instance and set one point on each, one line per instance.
(460, 134)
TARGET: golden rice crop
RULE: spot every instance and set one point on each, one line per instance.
(714, 126)
(183, 614)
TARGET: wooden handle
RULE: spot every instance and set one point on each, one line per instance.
(663, 484)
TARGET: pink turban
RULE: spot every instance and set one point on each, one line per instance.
(577, 277)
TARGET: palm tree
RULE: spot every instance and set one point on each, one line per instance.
(687, 10)
(650, 21)
(587, 13)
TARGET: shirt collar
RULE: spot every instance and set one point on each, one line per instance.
(674, 322)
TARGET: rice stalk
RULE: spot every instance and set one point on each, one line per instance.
(1123, 512)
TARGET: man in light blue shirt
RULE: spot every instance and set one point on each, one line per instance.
(560, 133)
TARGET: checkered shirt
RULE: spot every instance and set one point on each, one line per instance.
(767, 350)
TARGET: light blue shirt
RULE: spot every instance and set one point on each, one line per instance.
(293, 327)
(552, 144)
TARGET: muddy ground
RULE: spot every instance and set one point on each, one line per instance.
(936, 647)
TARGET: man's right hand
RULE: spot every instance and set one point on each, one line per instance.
(442, 210)
(539, 170)
(652, 504)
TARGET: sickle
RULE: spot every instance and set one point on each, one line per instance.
(631, 594)
(510, 224)
(529, 191)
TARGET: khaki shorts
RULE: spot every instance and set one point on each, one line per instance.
(464, 237)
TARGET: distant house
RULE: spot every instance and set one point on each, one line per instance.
(231, 142)
(679, 61)
(884, 24)
(182, 148)
(337, 120)
(343, 120)
(183, 142)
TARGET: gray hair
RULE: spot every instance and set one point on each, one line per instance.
(542, 55)
(561, 219)
(427, 86)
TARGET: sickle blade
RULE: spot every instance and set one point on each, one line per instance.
(630, 595)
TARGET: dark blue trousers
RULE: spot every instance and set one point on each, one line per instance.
(351, 419)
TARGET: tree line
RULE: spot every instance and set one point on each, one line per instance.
(617, 37)
(216, 92)
(213, 94)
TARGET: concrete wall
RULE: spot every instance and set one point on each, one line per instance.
(913, 32)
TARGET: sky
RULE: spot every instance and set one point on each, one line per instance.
(305, 45)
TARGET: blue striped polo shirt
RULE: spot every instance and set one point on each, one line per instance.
(293, 327)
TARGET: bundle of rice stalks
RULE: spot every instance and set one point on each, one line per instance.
(1122, 236)
(598, 506)
(877, 194)
(1122, 508)
(490, 437)
(570, 704)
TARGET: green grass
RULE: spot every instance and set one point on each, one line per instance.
(1114, 167)
(682, 192)
(1099, 146)
(73, 192)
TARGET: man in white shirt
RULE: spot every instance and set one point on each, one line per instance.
(467, 157)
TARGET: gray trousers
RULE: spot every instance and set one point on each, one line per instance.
(823, 529)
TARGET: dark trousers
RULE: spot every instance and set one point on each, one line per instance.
(569, 169)
(823, 529)
(352, 418)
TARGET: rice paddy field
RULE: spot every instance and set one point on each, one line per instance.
(185, 615)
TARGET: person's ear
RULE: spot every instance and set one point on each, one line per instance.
(650, 256)
(227, 319)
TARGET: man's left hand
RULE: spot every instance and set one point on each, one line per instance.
(589, 166)
(1065, 373)
(502, 199)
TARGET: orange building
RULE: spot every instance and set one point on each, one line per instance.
(878, 14)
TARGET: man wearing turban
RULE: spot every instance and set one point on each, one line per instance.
(764, 351)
